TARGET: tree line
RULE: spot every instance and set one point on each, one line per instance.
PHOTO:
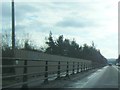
(70, 48)
(61, 46)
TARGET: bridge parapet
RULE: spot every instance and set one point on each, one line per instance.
(44, 68)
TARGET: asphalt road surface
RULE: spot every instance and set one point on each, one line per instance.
(106, 77)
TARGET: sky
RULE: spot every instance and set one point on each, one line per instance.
(83, 20)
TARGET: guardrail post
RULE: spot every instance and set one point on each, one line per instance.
(84, 66)
(81, 67)
(92, 65)
(67, 70)
(73, 68)
(46, 72)
(88, 66)
(78, 68)
(58, 74)
(25, 77)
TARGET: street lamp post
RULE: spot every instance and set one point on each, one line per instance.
(13, 28)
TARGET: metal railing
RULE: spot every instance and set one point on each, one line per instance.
(45, 69)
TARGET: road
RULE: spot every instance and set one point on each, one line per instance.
(106, 77)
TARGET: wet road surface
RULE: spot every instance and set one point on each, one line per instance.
(106, 77)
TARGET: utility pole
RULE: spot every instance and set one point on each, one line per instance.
(13, 28)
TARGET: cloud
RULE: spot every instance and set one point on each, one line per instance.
(75, 23)
(85, 21)
(21, 11)
(6, 10)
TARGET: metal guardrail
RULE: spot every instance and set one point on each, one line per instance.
(71, 66)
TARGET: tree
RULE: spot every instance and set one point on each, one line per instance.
(118, 59)
(93, 45)
(66, 47)
(7, 52)
(6, 39)
(74, 48)
(51, 45)
(27, 46)
(60, 45)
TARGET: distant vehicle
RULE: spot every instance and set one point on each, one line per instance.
(110, 64)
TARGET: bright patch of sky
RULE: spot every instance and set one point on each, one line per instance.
(84, 20)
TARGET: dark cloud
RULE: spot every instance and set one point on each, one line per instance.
(33, 26)
(21, 10)
(75, 23)
(24, 8)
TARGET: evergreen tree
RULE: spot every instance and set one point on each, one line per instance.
(65, 47)
(118, 60)
(51, 44)
(60, 45)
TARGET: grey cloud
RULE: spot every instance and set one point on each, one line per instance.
(24, 8)
(6, 12)
(33, 26)
(74, 6)
(20, 27)
(21, 11)
(75, 23)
